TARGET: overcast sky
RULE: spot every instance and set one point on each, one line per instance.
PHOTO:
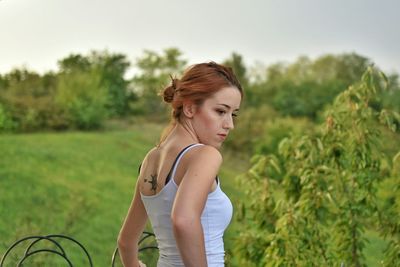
(37, 33)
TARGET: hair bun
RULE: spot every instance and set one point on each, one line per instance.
(168, 94)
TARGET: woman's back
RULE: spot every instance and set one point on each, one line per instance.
(157, 165)
(215, 218)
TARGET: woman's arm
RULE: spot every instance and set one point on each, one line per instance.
(131, 231)
(202, 168)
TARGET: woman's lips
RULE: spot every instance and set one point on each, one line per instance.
(223, 136)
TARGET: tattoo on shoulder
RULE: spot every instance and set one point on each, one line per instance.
(152, 181)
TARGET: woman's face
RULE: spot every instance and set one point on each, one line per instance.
(214, 118)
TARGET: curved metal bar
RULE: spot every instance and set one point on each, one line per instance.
(49, 238)
(44, 250)
(146, 235)
(76, 242)
(113, 256)
(14, 245)
(148, 247)
(46, 238)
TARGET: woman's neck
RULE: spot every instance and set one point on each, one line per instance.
(185, 133)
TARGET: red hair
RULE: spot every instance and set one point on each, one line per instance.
(198, 83)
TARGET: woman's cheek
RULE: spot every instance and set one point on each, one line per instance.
(208, 119)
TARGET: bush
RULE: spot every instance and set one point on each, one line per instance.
(250, 128)
(6, 123)
(82, 99)
(260, 129)
(325, 198)
(276, 129)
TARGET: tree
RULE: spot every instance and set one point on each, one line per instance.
(6, 123)
(154, 73)
(74, 62)
(28, 99)
(304, 87)
(390, 98)
(112, 68)
(235, 61)
(312, 207)
(82, 99)
(3, 84)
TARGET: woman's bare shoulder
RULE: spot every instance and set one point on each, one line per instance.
(202, 155)
(152, 155)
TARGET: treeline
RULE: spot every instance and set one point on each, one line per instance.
(88, 89)
(85, 91)
(286, 99)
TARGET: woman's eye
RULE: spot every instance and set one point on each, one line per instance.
(221, 112)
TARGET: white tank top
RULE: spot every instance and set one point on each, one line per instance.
(215, 219)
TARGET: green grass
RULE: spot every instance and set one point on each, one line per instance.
(81, 184)
(77, 184)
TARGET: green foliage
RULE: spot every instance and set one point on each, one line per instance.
(28, 98)
(390, 218)
(390, 98)
(87, 90)
(318, 184)
(249, 128)
(277, 128)
(154, 73)
(301, 89)
(6, 123)
(74, 62)
(82, 99)
(100, 90)
(259, 130)
(304, 87)
(235, 61)
(112, 68)
(3, 83)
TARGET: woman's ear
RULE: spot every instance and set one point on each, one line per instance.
(189, 109)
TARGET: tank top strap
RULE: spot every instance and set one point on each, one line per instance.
(178, 158)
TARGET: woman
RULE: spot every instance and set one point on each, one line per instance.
(178, 187)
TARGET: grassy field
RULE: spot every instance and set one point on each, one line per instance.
(77, 184)
(80, 184)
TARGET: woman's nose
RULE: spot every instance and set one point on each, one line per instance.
(228, 123)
